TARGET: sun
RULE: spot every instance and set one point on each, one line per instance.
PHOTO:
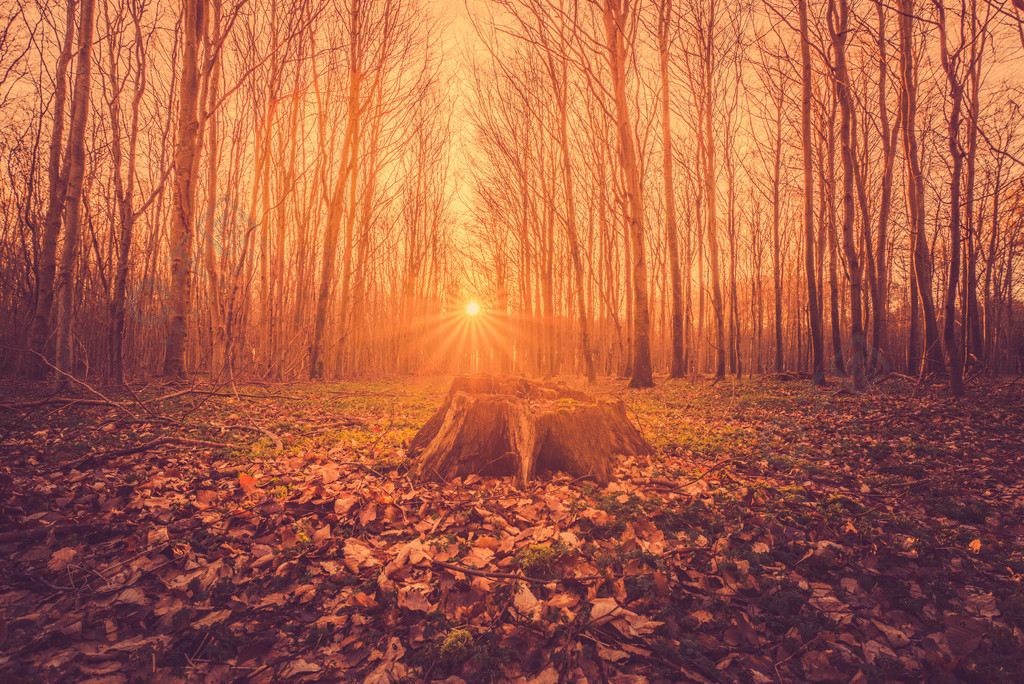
(472, 309)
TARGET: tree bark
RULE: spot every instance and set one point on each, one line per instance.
(677, 369)
(334, 198)
(75, 164)
(47, 269)
(954, 358)
(857, 339)
(124, 190)
(814, 310)
(497, 426)
(615, 14)
(183, 201)
(922, 261)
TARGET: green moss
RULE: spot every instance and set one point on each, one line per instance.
(538, 560)
(456, 647)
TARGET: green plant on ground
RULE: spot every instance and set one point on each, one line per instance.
(538, 560)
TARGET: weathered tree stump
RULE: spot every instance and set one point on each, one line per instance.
(494, 426)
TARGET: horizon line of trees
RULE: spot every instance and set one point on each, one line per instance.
(814, 186)
(265, 188)
(221, 187)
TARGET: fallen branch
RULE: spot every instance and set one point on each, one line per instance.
(510, 575)
(516, 576)
(27, 579)
(44, 530)
(162, 441)
(147, 446)
(86, 385)
(665, 483)
(278, 444)
(67, 401)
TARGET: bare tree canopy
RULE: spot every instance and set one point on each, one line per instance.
(282, 189)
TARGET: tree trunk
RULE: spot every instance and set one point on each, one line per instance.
(880, 330)
(776, 230)
(75, 163)
(47, 269)
(182, 211)
(858, 342)
(124, 191)
(497, 426)
(711, 190)
(954, 358)
(814, 310)
(334, 199)
(615, 14)
(677, 368)
(922, 262)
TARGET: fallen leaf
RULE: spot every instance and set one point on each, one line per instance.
(345, 504)
(330, 474)
(132, 595)
(322, 535)
(247, 482)
(612, 654)
(526, 603)
(412, 598)
(368, 514)
(604, 607)
(60, 559)
(357, 555)
(297, 667)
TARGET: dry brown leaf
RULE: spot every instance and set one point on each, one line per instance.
(60, 559)
(247, 482)
(413, 598)
(526, 603)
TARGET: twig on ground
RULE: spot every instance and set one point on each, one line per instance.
(44, 530)
(162, 441)
(278, 444)
(512, 575)
(83, 384)
(385, 431)
(146, 446)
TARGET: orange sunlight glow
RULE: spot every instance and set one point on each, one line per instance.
(472, 309)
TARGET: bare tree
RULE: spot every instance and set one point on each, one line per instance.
(194, 23)
(817, 342)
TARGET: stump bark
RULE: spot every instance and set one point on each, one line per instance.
(494, 426)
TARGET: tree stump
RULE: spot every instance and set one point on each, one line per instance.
(494, 425)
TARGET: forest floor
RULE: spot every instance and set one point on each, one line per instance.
(781, 533)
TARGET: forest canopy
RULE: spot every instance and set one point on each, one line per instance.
(286, 189)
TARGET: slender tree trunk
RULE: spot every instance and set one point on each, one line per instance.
(561, 85)
(880, 331)
(974, 330)
(124, 191)
(776, 233)
(677, 368)
(75, 163)
(39, 335)
(922, 261)
(857, 337)
(335, 198)
(817, 341)
(954, 358)
(186, 151)
(615, 14)
(833, 246)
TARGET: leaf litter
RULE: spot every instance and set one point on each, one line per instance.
(780, 534)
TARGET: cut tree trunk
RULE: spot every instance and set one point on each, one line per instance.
(495, 426)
